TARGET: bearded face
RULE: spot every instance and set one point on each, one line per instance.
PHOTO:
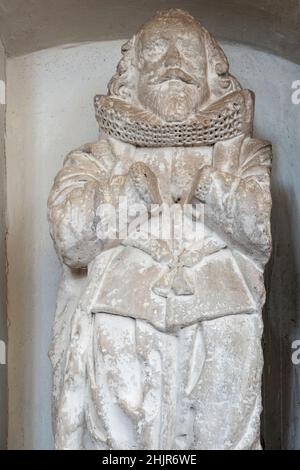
(172, 69)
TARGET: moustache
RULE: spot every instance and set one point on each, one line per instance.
(177, 74)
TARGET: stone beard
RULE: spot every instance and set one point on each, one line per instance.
(157, 341)
(172, 101)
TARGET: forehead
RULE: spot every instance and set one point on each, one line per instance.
(171, 28)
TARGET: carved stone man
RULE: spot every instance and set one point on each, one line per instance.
(157, 342)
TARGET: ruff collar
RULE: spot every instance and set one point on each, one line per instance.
(228, 117)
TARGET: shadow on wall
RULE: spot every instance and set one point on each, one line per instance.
(281, 381)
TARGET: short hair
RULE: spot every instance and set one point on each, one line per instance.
(124, 82)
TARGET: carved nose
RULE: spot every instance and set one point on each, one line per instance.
(172, 57)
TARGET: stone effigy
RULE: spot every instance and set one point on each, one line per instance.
(163, 231)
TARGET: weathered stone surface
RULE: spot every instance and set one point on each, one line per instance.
(157, 333)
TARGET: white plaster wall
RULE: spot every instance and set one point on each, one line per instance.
(3, 367)
(50, 111)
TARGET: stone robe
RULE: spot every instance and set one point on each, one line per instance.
(158, 346)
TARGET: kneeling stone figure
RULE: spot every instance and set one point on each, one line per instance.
(157, 340)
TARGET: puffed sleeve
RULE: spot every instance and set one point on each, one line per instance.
(73, 200)
(238, 203)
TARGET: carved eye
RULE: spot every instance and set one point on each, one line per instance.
(185, 47)
(155, 48)
(189, 47)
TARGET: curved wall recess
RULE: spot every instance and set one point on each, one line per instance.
(270, 25)
(50, 111)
